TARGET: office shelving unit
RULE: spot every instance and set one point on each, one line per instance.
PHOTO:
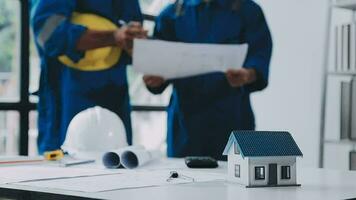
(338, 118)
(347, 4)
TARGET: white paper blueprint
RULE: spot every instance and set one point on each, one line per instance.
(30, 173)
(178, 60)
(133, 179)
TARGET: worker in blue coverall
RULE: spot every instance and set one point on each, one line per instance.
(205, 109)
(66, 91)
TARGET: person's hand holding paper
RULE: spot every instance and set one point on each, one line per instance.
(153, 81)
(241, 77)
(125, 35)
(236, 78)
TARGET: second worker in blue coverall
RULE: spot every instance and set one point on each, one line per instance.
(66, 91)
(205, 109)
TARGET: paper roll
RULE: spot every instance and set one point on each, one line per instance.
(112, 159)
(134, 158)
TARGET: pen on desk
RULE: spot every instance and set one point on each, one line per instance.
(68, 164)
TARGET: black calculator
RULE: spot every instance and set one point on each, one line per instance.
(201, 162)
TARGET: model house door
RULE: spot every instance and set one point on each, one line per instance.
(272, 174)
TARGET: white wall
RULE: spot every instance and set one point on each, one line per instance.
(293, 100)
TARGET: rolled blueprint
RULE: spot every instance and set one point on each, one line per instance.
(129, 157)
(112, 159)
(134, 158)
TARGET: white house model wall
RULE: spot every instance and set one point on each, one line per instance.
(244, 168)
(247, 169)
(280, 161)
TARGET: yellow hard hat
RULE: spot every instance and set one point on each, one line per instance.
(96, 59)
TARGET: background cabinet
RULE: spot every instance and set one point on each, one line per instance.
(340, 97)
(337, 155)
(338, 132)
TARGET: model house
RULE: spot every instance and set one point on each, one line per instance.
(262, 159)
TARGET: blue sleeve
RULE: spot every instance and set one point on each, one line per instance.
(54, 33)
(131, 11)
(257, 35)
(165, 24)
(164, 30)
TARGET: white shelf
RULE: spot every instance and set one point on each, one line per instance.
(344, 141)
(352, 73)
(347, 4)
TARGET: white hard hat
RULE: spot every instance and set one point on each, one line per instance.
(94, 131)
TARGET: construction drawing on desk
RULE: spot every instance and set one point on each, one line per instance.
(31, 173)
(131, 179)
(178, 60)
(129, 157)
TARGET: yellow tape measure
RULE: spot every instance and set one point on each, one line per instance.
(54, 155)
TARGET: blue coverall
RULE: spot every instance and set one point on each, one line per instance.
(205, 109)
(65, 91)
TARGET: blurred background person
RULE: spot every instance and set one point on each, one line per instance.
(84, 47)
(205, 109)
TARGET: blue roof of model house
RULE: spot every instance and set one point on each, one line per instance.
(263, 143)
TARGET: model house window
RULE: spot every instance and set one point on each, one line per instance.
(236, 149)
(237, 171)
(260, 173)
(285, 172)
